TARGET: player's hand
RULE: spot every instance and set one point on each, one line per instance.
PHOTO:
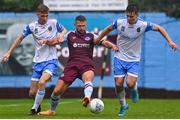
(115, 48)
(174, 46)
(5, 57)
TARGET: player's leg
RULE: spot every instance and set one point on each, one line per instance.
(32, 93)
(120, 91)
(119, 76)
(47, 69)
(121, 95)
(132, 84)
(59, 89)
(132, 80)
(63, 83)
(87, 77)
(33, 88)
(41, 90)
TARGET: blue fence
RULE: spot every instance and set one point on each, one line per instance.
(160, 66)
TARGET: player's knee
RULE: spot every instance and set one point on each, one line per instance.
(119, 83)
(130, 84)
(32, 93)
(41, 84)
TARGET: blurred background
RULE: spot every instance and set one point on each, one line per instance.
(160, 66)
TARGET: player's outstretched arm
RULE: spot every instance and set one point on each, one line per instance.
(110, 45)
(56, 40)
(105, 32)
(6, 55)
(166, 36)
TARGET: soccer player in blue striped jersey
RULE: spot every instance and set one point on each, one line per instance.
(126, 60)
(45, 59)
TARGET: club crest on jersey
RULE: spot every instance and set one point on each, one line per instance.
(123, 28)
(138, 29)
(50, 28)
(87, 38)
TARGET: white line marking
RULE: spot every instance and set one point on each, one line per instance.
(47, 103)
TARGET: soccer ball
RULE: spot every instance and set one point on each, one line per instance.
(96, 105)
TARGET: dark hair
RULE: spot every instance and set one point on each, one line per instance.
(80, 18)
(132, 8)
(42, 8)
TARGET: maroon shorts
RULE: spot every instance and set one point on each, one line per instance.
(71, 72)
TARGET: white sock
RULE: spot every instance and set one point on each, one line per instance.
(88, 89)
(38, 99)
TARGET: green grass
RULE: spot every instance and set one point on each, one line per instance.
(73, 109)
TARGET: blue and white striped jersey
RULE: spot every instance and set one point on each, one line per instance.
(129, 38)
(41, 32)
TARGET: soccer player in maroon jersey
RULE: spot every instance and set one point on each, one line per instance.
(80, 63)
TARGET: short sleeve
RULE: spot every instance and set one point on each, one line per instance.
(149, 26)
(26, 31)
(59, 27)
(114, 25)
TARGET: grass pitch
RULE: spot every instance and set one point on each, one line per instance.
(73, 109)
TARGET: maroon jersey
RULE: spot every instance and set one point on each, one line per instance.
(80, 56)
(80, 48)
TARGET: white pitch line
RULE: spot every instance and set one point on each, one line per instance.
(22, 104)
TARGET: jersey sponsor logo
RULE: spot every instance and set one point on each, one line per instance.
(81, 45)
(87, 38)
(138, 29)
(123, 28)
(75, 45)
